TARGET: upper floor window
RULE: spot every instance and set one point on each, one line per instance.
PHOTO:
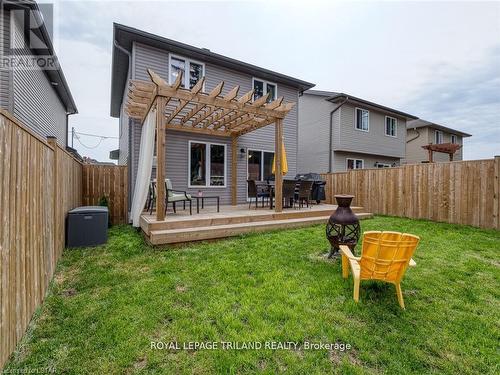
(263, 87)
(454, 139)
(354, 163)
(391, 126)
(362, 119)
(192, 71)
(438, 137)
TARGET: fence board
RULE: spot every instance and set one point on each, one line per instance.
(462, 192)
(30, 241)
(108, 181)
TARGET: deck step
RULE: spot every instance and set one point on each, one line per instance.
(178, 235)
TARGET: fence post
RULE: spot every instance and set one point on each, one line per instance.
(496, 193)
(52, 141)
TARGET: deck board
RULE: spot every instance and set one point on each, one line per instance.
(230, 221)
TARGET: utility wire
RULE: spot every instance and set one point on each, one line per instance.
(86, 146)
(96, 135)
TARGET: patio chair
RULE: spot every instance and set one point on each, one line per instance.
(385, 256)
(174, 196)
(151, 200)
(257, 189)
(289, 193)
(304, 193)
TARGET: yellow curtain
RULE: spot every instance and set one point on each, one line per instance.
(284, 163)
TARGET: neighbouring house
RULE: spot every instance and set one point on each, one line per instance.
(338, 132)
(200, 162)
(447, 143)
(39, 98)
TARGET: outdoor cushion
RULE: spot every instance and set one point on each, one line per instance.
(176, 197)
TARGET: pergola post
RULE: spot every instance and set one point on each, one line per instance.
(234, 171)
(160, 158)
(278, 176)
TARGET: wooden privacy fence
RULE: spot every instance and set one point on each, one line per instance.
(39, 183)
(107, 181)
(462, 192)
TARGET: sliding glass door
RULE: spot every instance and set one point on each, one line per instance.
(260, 165)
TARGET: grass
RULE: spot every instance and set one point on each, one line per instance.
(107, 304)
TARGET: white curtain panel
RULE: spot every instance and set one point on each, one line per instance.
(143, 178)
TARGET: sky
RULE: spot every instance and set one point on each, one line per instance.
(439, 61)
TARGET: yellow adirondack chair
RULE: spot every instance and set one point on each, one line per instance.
(385, 256)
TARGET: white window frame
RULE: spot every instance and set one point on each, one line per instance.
(395, 126)
(265, 89)
(262, 166)
(207, 165)
(185, 77)
(436, 132)
(454, 139)
(354, 160)
(356, 120)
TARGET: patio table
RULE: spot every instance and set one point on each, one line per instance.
(203, 197)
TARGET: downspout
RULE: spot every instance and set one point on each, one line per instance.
(418, 135)
(128, 54)
(330, 141)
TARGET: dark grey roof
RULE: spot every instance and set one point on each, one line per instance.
(340, 96)
(125, 35)
(423, 123)
(56, 77)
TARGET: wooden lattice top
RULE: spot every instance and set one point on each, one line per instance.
(199, 112)
(447, 148)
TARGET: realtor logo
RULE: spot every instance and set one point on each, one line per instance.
(29, 26)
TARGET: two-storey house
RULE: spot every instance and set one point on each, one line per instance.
(422, 133)
(338, 132)
(199, 162)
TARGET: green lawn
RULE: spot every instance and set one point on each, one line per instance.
(107, 304)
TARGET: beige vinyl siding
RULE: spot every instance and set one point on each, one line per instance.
(374, 141)
(414, 151)
(314, 133)
(439, 156)
(416, 154)
(340, 160)
(177, 142)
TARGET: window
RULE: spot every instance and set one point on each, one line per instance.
(207, 164)
(391, 126)
(195, 69)
(263, 87)
(355, 164)
(382, 165)
(260, 165)
(362, 119)
(454, 139)
(438, 137)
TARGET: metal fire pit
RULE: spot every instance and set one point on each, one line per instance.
(343, 226)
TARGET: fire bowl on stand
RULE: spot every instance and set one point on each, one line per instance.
(343, 226)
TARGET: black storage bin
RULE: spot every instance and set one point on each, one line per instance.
(87, 226)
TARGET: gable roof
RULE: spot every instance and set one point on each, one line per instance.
(423, 123)
(125, 36)
(334, 97)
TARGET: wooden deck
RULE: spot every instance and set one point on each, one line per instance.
(231, 221)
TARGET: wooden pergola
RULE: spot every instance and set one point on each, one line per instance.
(447, 148)
(194, 111)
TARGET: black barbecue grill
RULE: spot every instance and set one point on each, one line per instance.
(318, 187)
